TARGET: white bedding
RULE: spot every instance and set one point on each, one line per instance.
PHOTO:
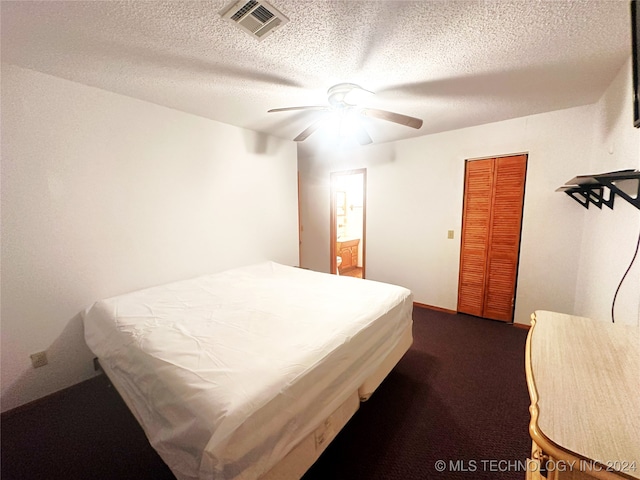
(227, 372)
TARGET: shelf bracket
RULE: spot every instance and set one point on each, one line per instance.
(597, 197)
(615, 190)
(590, 194)
(579, 195)
(586, 189)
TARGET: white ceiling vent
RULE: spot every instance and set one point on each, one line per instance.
(257, 18)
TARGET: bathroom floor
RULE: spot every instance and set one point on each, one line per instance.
(354, 272)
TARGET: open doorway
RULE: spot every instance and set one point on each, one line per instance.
(348, 223)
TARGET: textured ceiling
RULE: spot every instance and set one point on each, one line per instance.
(452, 63)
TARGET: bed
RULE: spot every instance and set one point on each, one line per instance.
(249, 373)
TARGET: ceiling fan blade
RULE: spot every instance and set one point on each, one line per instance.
(392, 117)
(308, 131)
(289, 109)
(362, 136)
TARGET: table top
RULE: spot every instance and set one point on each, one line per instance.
(585, 377)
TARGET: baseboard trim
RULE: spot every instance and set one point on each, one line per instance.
(522, 325)
(453, 312)
(431, 307)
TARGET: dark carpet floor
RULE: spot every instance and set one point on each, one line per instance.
(458, 396)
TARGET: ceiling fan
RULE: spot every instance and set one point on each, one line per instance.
(347, 113)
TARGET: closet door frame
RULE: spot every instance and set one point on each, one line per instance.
(493, 251)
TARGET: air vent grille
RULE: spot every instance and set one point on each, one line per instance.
(244, 10)
(262, 14)
(255, 17)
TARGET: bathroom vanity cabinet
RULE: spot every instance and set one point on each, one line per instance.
(347, 249)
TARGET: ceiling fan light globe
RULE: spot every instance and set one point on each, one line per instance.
(349, 123)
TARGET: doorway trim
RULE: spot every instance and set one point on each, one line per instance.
(480, 281)
(332, 218)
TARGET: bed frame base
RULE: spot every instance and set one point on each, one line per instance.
(294, 465)
(304, 455)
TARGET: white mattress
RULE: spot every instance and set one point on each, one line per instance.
(228, 372)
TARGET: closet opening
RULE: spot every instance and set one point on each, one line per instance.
(490, 238)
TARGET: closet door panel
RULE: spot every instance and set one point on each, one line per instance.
(475, 235)
(504, 237)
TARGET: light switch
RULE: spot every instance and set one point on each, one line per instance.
(450, 234)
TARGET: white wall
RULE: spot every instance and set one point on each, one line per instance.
(415, 190)
(103, 194)
(611, 236)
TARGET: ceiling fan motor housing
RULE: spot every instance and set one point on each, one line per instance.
(338, 94)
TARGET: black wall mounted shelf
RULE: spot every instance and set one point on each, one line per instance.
(602, 188)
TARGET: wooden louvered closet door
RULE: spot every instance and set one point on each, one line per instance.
(492, 218)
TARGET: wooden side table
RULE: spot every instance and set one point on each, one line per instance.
(583, 377)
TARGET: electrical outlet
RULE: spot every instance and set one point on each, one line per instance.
(450, 234)
(39, 359)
